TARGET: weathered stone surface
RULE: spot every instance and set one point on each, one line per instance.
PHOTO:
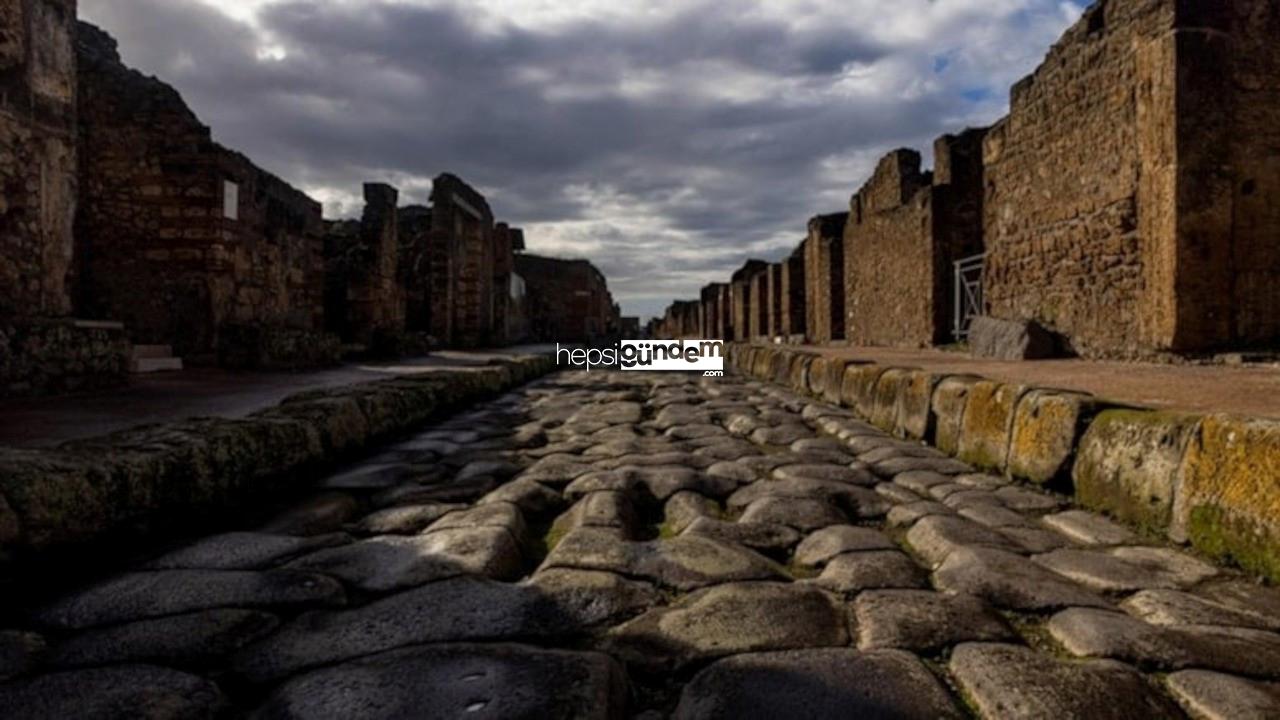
(1046, 429)
(1173, 607)
(1086, 632)
(819, 683)
(1009, 681)
(451, 610)
(987, 424)
(1023, 500)
(243, 551)
(1250, 598)
(606, 508)
(195, 639)
(949, 400)
(1010, 340)
(935, 537)
(874, 569)
(140, 595)
(895, 466)
(859, 501)
(532, 497)
(827, 473)
(483, 681)
(770, 539)
(404, 520)
(1215, 696)
(593, 598)
(385, 563)
(1121, 571)
(916, 419)
(319, 514)
(803, 514)
(686, 562)
(857, 389)
(924, 621)
(821, 546)
(1228, 503)
(1010, 581)
(732, 618)
(1087, 528)
(1129, 465)
(138, 691)
(908, 514)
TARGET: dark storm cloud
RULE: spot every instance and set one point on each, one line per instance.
(647, 146)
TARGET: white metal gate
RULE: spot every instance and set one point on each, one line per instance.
(968, 294)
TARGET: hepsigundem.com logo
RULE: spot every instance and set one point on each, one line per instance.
(705, 356)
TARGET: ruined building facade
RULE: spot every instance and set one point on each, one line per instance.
(125, 227)
(569, 300)
(1127, 204)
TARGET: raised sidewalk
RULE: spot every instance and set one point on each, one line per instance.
(1205, 472)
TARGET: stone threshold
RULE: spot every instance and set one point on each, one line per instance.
(1210, 480)
(132, 484)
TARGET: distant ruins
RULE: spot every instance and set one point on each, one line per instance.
(1127, 204)
(128, 235)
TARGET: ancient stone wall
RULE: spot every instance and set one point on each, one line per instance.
(758, 288)
(462, 229)
(177, 236)
(1227, 284)
(510, 319)
(905, 229)
(364, 297)
(569, 300)
(792, 310)
(824, 265)
(741, 306)
(1081, 217)
(38, 165)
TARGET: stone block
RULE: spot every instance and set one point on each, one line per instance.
(1229, 501)
(857, 389)
(884, 398)
(948, 403)
(1046, 427)
(1129, 465)
(799, 379)
(1010, 339)
(834, 385)
(915, 417)
(988, 419)
(818, 376)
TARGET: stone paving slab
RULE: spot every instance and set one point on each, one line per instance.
(621, 545)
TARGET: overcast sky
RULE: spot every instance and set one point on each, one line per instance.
(666, 141)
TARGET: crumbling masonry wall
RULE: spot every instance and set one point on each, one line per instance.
(365, 299)
(178, 237)
(741, 307)
(905, 229)
(824, 265)
(1130, 200)
(792, 311)
(38, 165)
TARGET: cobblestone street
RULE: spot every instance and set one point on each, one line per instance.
(608, 545)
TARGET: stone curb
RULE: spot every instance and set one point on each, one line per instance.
(1212, 481)
(128, 482)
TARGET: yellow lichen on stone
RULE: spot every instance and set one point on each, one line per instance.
(1229, 501)
(1046, 426)
(988, 416)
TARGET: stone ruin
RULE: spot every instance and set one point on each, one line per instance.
(1127, 203)
(125, 227)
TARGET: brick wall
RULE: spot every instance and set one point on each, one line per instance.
(178, 236)
(462, 229)
(824, 285)
(758, 287)
(905, 229)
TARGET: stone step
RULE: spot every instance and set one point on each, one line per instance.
(154, 364)
(141, 352)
